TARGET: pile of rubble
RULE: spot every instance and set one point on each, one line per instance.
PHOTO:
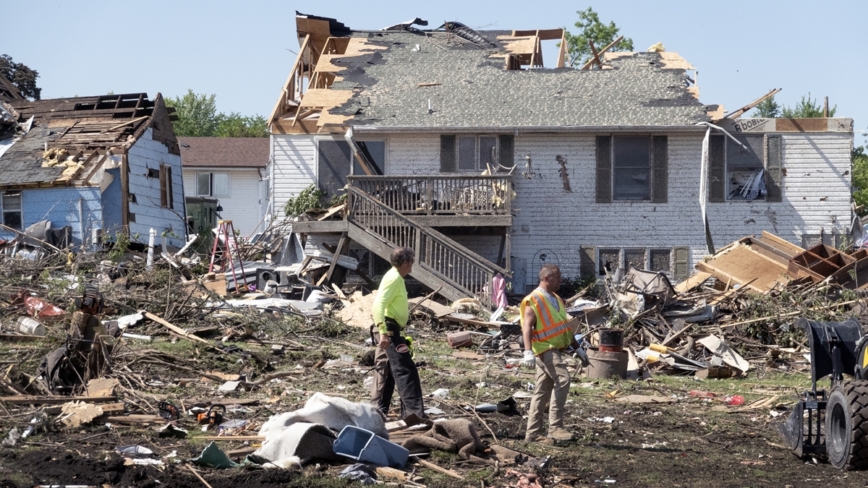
(247, 366)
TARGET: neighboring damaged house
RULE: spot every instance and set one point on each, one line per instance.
(606, 163)
(99, 165)
(231, 169)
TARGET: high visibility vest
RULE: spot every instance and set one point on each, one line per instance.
(551, 331)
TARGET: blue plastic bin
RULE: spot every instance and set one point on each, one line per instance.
(363, 445)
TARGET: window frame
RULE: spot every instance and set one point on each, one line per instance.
(19, 210)
(354, 163)
(211, 184)
(166, 187)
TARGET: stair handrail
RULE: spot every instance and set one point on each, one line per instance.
(433, 234)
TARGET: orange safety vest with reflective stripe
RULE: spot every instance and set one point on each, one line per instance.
(551, 331)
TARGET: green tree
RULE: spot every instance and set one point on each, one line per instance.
(237, 125)
(806, 109)
(767, 109)
(590, 28)
(860, 179)
(21, 76)
(197, 114)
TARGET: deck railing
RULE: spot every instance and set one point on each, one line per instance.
(436, 252)
(440, 195)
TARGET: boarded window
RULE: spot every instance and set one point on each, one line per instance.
(166, 186)
(12, 210)
(632, 168)
(661, 260)
(744, 166)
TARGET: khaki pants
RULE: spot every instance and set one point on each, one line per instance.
(552, 387)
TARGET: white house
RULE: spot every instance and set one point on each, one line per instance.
(231, 169)
(606, 164)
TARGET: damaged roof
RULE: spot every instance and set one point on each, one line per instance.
(224, 152)
(68, 138)
(459, 78)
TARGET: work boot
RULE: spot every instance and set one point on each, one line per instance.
(529, 438)
(559, 434)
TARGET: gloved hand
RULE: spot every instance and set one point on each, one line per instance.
(529, 360)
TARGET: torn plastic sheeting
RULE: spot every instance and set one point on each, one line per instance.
(134, 451)
(297, 445)
(722, 349)
(212, 456)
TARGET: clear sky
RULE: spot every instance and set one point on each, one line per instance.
(242, 51)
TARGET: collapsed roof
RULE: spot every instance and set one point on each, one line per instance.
(65, 141)
(458, 78)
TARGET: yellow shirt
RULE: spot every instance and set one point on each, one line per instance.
(391, 301)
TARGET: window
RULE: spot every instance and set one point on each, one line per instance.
(166, 186)
(745, 168)
(610, 260)
(753, 172)
(212, 185)
(12, 210)
(632, 168)
(374, 151)
(661, 260)
(476, 152)
(675, 261)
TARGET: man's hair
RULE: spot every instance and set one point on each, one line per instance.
(401, 255)
(547, 270)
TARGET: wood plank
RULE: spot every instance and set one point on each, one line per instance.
(325, 98)
(601, 51)
(135, 419)
(692, 282)
(543, 34)
(781, 244)
(173, 328)
(53, 400)
(233, 437)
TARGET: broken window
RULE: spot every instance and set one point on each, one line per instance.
(12, 210)
(334, 164)
(745, 168)
(661, 260)
(166, 186)
(375, 152)
(634, 259)
(212, 185)
(631, 168)
(610, 260)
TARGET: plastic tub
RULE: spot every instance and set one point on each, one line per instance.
(364, 445)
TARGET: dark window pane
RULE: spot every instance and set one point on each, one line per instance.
(632, 152)
(12, 219)
(334, 165)
(739, 157)
(632, 184)
(487, 147)
(635, 259)
(376, 151)
(467, 153)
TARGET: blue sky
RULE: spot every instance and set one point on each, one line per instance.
(242, 51)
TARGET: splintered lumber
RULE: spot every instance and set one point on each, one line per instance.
(52, 400)
(445, 471)
(173, 328)
(233, 437)
(692, 282)
(135, 419)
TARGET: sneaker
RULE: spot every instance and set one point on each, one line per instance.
(560, 435)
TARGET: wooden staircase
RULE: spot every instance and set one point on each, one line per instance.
(440, 261)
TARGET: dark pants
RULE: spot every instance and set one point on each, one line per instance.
(400, 372)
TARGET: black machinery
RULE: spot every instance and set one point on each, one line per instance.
(835, 425)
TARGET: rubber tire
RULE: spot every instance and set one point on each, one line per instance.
(846, 430)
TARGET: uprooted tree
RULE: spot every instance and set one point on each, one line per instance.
(591, 28)
(21, 76)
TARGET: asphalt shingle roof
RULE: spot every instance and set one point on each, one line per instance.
(229, 152)
(476, 91)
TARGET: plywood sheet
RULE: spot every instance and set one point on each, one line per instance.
(323, 97)
(519, 45)
(741, 264)
(671, 60)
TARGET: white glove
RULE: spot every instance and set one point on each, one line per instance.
(529, 360)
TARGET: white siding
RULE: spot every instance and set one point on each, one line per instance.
(146, 154)
(553, 224)
(294, 160)
(245, 205)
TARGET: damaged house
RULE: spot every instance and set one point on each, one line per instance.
(591, 169)
(97, 165)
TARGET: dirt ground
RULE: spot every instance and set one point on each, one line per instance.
(689, 442)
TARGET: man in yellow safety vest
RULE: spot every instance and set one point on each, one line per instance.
(546, 335)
